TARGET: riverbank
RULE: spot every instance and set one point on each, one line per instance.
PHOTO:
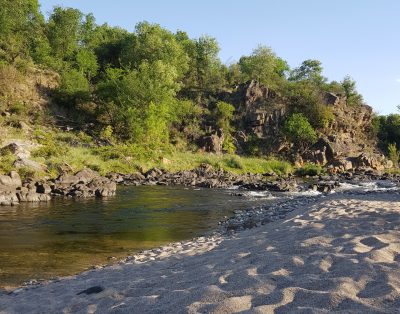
(340, 253)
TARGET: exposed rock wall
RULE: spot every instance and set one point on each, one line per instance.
(347, 143)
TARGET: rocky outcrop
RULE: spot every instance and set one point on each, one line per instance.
(85, 183)
(8, 188)
(207, 177)
(22, 149)
(212, 143)
(261, 113)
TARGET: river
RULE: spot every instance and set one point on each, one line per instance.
(66, 236)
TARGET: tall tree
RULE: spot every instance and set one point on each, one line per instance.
(19, 20)
(264, 66)
(64, 32)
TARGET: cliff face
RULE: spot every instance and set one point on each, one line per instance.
(347, 143)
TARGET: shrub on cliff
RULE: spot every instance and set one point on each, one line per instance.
(298, 130)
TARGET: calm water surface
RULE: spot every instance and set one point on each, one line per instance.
(63, 237)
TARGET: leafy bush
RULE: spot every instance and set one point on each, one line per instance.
(309, 170)
(74, 88)
(253, 146)
(107, 133)
(6, 161)
(234, 162)
(393, 154)
(27, 173)
(299, 131)
(49, 150)
(17, 108)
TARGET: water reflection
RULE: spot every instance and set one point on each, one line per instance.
(66, 236)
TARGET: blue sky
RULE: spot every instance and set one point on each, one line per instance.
(355, 37)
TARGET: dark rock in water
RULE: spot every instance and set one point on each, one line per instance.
(237, 194)
(91, 290)
(324, 187)
(43, 188)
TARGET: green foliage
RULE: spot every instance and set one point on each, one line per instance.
(388, 130)
(349, 87)
(19, 20)
(234, 162)
(393, 154)
(309, 170)
(253, 146)
(63, 30)
(306, 98)
(205, 72)
(138, 104)
(74, 87)
(18, 108)
(86, 62)
(224, 115)
(309, 70)
(27, 173)
(264, 66)
(152, 44)
(228, 145)
(299, 131)
(7, 160)
(107, 133)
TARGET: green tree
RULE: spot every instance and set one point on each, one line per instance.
(224, 114)
(393, 154)
(86, 62)
(151, 43)
(74, 88)
(139, 104)
(310, 70)
(349, 87)
(305, 97)
(389, 130)
(107, 43)
(299, 131)
(205, 73)
(264, 66)
(64, 31)
(20, 22)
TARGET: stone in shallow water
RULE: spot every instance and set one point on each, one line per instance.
(91, 290)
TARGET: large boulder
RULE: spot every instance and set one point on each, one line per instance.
(29, 164)
(29, 196)
(212, 143)
(85, 183)
(19, 148)
(12, 181)
(84, 176)
(365, 160)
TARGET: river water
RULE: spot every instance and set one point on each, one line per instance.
(66, 236)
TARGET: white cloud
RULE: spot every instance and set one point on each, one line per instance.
(398, 80)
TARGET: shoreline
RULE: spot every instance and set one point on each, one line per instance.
(241, 276)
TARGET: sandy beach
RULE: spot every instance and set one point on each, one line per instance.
(340, 254)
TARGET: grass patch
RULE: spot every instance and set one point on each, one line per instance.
(309, 170)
